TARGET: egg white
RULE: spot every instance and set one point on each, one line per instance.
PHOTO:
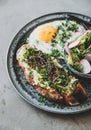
(34, 40)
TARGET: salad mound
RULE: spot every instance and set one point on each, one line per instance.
(78, 53)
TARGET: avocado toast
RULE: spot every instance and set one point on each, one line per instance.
(48, 77)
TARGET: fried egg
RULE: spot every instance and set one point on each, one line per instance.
(42, 37)
(47, 33)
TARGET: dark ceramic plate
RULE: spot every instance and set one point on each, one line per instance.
(18, 79)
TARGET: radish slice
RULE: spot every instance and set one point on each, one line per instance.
(86, 66)
(67, 48)
(74, 44)
(77, 42)
(88, 57)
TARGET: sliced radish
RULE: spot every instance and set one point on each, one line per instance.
(86, 66)
(88, 57)
(77, 42)
(74, 44)
(67, 48)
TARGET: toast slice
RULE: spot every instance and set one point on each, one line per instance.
(48, 77)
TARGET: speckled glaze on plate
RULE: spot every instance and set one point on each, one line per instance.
(18, 79)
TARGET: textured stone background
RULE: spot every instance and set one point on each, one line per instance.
(15, 113)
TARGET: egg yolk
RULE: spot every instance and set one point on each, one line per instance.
(47, 33)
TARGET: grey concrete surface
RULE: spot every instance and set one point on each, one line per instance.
(15, 113)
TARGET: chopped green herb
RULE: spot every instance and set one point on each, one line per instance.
(30, 73)
(55, 53)
(65, 31)
(73, 27)
(78, 67)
